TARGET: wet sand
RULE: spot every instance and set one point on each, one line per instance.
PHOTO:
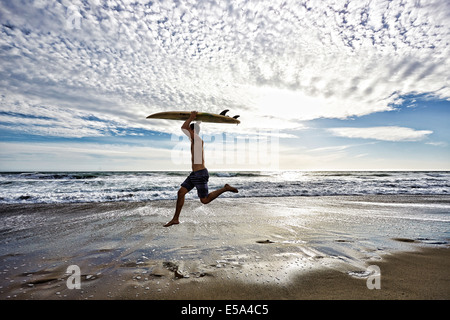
(260, 249)
(422, 274)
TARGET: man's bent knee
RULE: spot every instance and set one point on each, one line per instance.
(182, 191)
(204, 200)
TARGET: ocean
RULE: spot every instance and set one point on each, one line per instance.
(81, 187)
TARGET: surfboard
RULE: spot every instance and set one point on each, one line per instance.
(201, 116)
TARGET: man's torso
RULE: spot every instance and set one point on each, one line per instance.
(197, 154)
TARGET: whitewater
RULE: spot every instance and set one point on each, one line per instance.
(79, 187)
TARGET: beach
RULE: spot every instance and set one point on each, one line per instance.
(269, 248)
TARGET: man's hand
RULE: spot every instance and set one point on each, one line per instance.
(193, 115)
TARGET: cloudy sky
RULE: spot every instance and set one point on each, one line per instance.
(321, 85)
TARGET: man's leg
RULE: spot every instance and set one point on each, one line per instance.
(180, 202)
(211, 196)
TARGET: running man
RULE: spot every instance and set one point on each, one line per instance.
(199, 176)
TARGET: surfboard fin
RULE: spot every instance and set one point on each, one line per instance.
(224, 112)
(235, 117)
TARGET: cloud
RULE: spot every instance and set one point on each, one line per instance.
(438, 143)
(276, 63)
(82, 156)
(339, 147)
(382, 133)
(25, 116)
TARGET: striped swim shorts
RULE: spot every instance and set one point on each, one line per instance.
(198, 179)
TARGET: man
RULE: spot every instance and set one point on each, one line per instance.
(199, 176)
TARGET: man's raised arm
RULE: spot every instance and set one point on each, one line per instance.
(185, 127)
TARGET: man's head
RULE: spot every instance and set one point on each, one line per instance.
(195, 127)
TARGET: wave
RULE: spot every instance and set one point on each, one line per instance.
(353, 174)
(239, 174)
(61, 187)
(60, 176)
(175, 173)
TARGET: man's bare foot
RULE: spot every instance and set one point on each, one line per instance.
(230, 188)
(171, 222)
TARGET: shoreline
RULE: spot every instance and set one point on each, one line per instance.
(297, 248)
(384, 198)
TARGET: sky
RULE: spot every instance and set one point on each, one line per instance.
(318, 85)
